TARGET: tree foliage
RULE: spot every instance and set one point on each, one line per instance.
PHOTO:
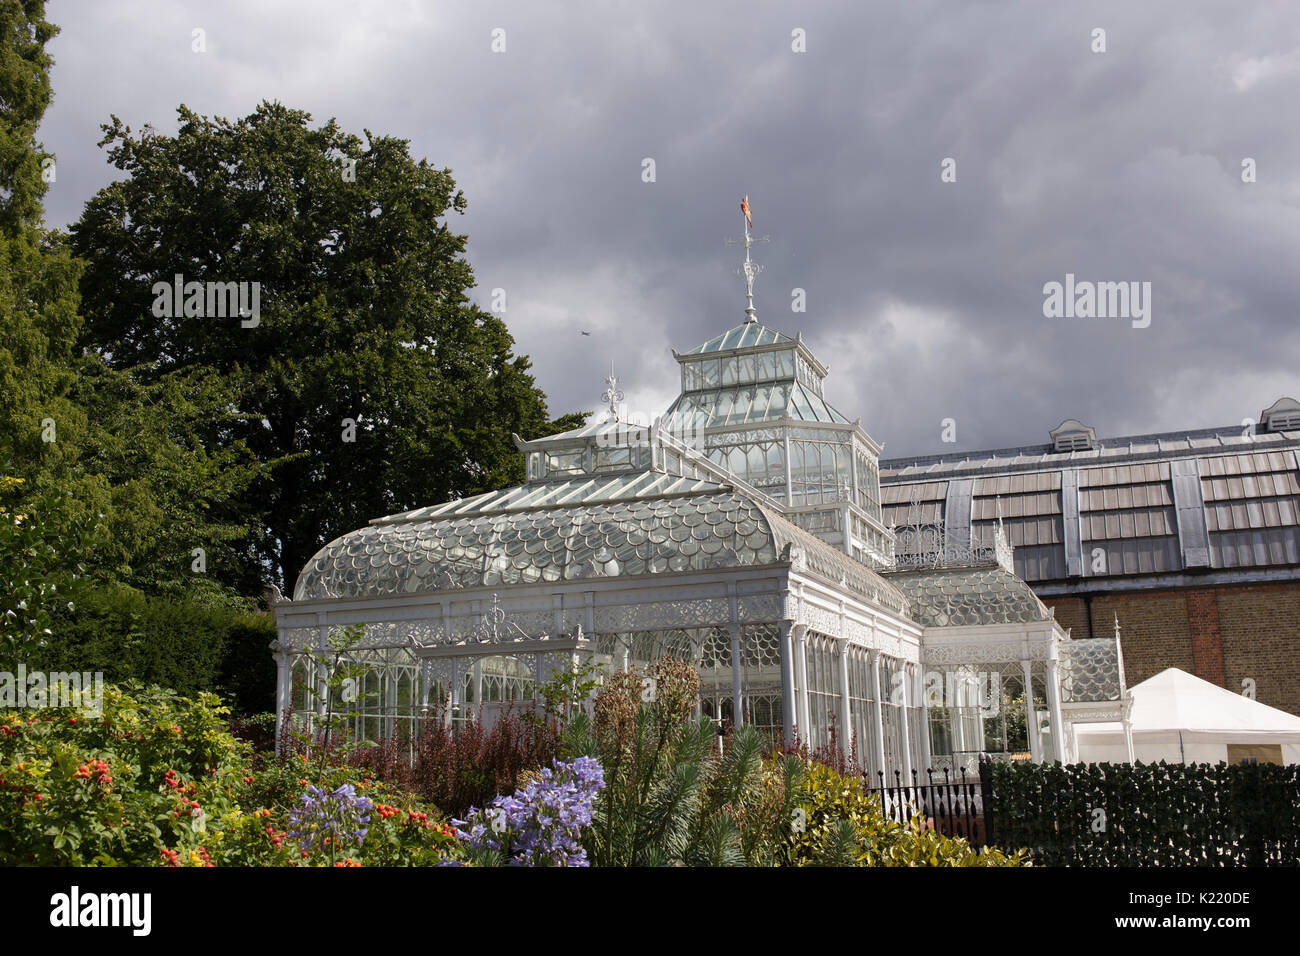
(371, 383)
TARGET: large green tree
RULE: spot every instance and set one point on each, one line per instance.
(371, 381)
(83, 443)
(38, 275)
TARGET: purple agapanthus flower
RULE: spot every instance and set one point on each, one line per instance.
(341, 816)
(541, 824)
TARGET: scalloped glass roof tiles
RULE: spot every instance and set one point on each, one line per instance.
(1090, 670)
(693, 532)
(951, 598)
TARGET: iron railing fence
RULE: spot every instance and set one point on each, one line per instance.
(946, 800)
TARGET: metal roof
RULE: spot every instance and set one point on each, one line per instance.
(1043, 457)
(1216, 499)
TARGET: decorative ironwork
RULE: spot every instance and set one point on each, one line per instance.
(991, 652)
(749, 270)
(613, 394)
(926, 544)
(493, 628)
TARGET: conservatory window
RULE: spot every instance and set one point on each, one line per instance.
(784, 363)
(820, 472)
(565, 462)
(711, 373)
(611, 459)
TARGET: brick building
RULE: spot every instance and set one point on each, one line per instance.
(1190, 540)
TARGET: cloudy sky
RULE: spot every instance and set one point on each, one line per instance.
(924, 297)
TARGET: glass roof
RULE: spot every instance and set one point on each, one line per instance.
(687, 533)
(750, 404)
(550, 494)
(953, 597)
(501, 539)
(1091, 669)
(742, 336)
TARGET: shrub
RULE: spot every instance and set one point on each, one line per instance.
(158, 779)
(670, 798)
(42, 545)
(1154, 814)
(187, 646)
(838, 822)
(458, 767)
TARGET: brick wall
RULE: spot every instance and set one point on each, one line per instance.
(1223, 635)
(1153, 628)
(1071, 614)
(1261, 641)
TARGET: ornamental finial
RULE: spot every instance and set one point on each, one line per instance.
(750, 269)
(613, 394)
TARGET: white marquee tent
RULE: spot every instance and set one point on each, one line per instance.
(1180, 718)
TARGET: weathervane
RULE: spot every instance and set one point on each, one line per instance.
(613, 394)
(750, 269)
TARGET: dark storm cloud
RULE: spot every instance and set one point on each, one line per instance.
(925, 298)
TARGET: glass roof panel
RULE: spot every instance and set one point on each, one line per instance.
(956, 597)
(594, 539)
(742, 336)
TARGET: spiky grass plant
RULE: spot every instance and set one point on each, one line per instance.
(670, 798)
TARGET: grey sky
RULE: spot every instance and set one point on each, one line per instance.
(924, 298)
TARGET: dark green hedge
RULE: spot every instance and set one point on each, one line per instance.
(1146, 814)
(186, 646)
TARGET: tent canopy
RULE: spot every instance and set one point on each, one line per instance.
(1174, 701)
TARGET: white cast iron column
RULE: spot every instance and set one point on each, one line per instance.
(846, 714)
(1054, 711)
(737, 705)
(787, 681)
(1031, 716)
(801, 676)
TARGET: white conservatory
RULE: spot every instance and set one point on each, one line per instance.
(741, 530)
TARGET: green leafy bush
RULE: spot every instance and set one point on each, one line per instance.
(41, 546)
(187, 646)
(158, 779)
(838, 822)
